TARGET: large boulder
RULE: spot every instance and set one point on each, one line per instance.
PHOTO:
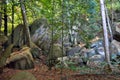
(18, 36)
(23, 76)
(22, 59)
(41, 34)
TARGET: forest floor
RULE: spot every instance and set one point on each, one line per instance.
(41, 72)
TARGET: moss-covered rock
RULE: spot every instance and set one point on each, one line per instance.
(21, 59)
(23, 76)
(57, 51)
(18, 36)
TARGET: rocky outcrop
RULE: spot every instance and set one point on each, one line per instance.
(93, 57)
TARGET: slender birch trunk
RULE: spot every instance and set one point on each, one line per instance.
(108, 23)
(105, 35)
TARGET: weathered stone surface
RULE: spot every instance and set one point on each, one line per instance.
(23, 76)
(116, 30)
(21, 59)
(91, 52)
(116, 48)
(95, 61)
(37, 24)
(73, 51)
(100, 51)
(18, 36)
(97, 44)
(67, 44)
(40, 34)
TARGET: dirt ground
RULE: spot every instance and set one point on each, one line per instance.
(41, 72)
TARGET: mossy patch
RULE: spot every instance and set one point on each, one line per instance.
(23, 76)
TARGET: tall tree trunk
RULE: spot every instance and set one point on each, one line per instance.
(0, 17)
(12, 35)
(5, 18)
(23, 11)
(106, 41)
(108, 24)
(112, 16)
